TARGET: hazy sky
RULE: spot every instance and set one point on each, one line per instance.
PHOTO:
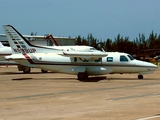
(103, 18)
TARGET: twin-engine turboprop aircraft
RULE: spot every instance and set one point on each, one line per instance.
(5, 50)
(82, 64)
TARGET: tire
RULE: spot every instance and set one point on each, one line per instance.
(44, 71)
(26, 70)
(82, 75)
(140, 76)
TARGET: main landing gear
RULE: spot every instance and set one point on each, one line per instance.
(44, 71)
(82, 75)
(140, 76)
(26, 70)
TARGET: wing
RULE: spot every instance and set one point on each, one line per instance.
(86, 55)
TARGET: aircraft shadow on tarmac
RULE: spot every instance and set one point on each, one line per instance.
(100, 78)
(90, 79)
(93, 79)
(22, 79)
(15, 73)
(127, 79)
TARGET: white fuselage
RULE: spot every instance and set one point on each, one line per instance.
(115, 62)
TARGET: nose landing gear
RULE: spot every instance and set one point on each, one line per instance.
(140, 76)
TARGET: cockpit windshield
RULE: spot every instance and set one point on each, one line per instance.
(130, 57)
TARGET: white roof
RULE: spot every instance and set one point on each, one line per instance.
(38, 36)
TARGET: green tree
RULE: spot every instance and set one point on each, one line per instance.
(78, 40)
(108, 45)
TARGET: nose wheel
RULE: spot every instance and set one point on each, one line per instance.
(140, 76)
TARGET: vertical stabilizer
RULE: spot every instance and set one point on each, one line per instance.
(17, 42)
(1, 45)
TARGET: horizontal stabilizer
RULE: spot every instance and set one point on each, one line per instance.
(15, 57)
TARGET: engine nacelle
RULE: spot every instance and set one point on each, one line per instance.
(98, 70)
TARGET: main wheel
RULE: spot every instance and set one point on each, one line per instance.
(44, 71)
(82, 75)
(26, 70)
(140, 76)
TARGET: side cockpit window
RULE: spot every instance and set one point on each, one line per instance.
(109, 59)
(123, 58)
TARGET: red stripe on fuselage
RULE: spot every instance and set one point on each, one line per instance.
(28, 58)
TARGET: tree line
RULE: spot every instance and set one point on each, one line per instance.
(122, 44)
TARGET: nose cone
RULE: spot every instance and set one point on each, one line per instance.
(147, 67)
(152, 66)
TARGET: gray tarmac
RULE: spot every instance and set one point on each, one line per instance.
(56, 96)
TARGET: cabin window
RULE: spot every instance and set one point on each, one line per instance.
(123, 59)
(109, 59)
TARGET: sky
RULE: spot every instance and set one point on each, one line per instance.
(102, 18)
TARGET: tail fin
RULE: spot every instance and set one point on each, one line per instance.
(17, 42)
(1, 45)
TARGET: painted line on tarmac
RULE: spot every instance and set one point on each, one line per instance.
(148, 118)
(134, 96)
(78, 91)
